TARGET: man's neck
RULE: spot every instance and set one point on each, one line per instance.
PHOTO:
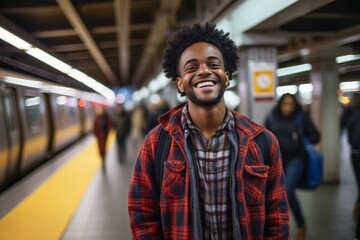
(207, 119)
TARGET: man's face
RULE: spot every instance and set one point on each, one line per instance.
(202, 75)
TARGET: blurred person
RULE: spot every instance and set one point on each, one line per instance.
(216, 185)
(159, 109)
(346, 113)
(122, 125)
(282, 122)
(353, 131)
(137, 126)
(101, 129)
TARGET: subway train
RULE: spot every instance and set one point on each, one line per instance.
(38, 119)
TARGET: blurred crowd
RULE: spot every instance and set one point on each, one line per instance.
(130, 125)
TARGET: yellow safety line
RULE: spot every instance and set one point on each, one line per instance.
(46, 212)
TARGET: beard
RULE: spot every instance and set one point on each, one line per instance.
(208, 102)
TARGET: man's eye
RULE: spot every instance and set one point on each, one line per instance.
(190, 69)
(214, 65)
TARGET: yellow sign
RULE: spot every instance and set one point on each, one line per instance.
(263, 82)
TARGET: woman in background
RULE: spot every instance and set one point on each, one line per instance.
(282, 122)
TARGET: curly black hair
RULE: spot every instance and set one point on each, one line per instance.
(187, 36)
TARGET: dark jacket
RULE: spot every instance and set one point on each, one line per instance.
(353, 129)
(286, 131)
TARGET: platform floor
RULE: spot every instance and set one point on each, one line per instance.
(102, 209)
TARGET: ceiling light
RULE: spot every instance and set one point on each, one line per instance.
(76, 74)
(48, 59)
(280, 72)
(348, 58)
(292, 89)
(353, 86)
(14, 40)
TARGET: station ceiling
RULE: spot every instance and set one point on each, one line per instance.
(121, 42)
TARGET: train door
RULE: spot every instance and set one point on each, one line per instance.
(4, 149)
(13, 130)
(50, 116)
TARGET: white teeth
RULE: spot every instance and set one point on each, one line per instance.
(203, 84)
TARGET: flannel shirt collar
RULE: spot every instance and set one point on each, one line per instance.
(227, 125)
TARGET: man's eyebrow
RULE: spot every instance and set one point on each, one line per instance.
(207, 59)
(190, 61)
(213, 58)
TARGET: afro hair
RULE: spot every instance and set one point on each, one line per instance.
(187, 36)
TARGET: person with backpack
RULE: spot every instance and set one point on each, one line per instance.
(216, 183)
(353, 131)
(284, 121)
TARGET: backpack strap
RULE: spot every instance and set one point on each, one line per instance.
(299, 124)
(162, 150)
(263, 143)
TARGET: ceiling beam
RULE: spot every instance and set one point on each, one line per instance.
(95, 30)
(122, 21)
(73, 17)
(343, 37)
(164, 19)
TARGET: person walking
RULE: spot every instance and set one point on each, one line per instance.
(122, 125)
(101, 129)
(215, 184)
(283, 123)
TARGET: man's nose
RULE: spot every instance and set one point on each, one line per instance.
(204, 69)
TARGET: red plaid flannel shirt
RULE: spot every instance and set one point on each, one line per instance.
(260, 189)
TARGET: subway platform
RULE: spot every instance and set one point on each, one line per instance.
(73, 197)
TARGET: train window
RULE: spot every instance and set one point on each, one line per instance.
(66, 109)
(61, 102)
(32, 110)
(10, 114)
(72, 104)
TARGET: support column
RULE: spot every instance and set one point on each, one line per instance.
(324, 112)
(257, 81)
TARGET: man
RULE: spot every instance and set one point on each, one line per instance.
(215, 183)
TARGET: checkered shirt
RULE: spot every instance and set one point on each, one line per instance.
(213, 167)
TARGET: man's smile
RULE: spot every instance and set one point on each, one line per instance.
(205, 84)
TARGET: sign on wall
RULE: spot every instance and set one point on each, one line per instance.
(262, 80)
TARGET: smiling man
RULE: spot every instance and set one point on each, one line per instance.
(223, 177)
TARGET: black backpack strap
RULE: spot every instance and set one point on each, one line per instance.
(263, 143)
(162, 150)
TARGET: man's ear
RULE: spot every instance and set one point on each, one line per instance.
(227, 78)
(180, 85)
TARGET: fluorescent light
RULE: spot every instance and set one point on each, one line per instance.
(154, 85)
(136, 96)
(348, 58)
(144, 92)
(305, 88)
(353, 86)
(63, 90)
(232, 100)
(286, 89)
(14, 40)
(292, 70)
(24, 82)
(57, 64)
(154, 98)
(76, 74)
(48, 59)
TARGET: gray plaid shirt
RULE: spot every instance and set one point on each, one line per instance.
(213, 167)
